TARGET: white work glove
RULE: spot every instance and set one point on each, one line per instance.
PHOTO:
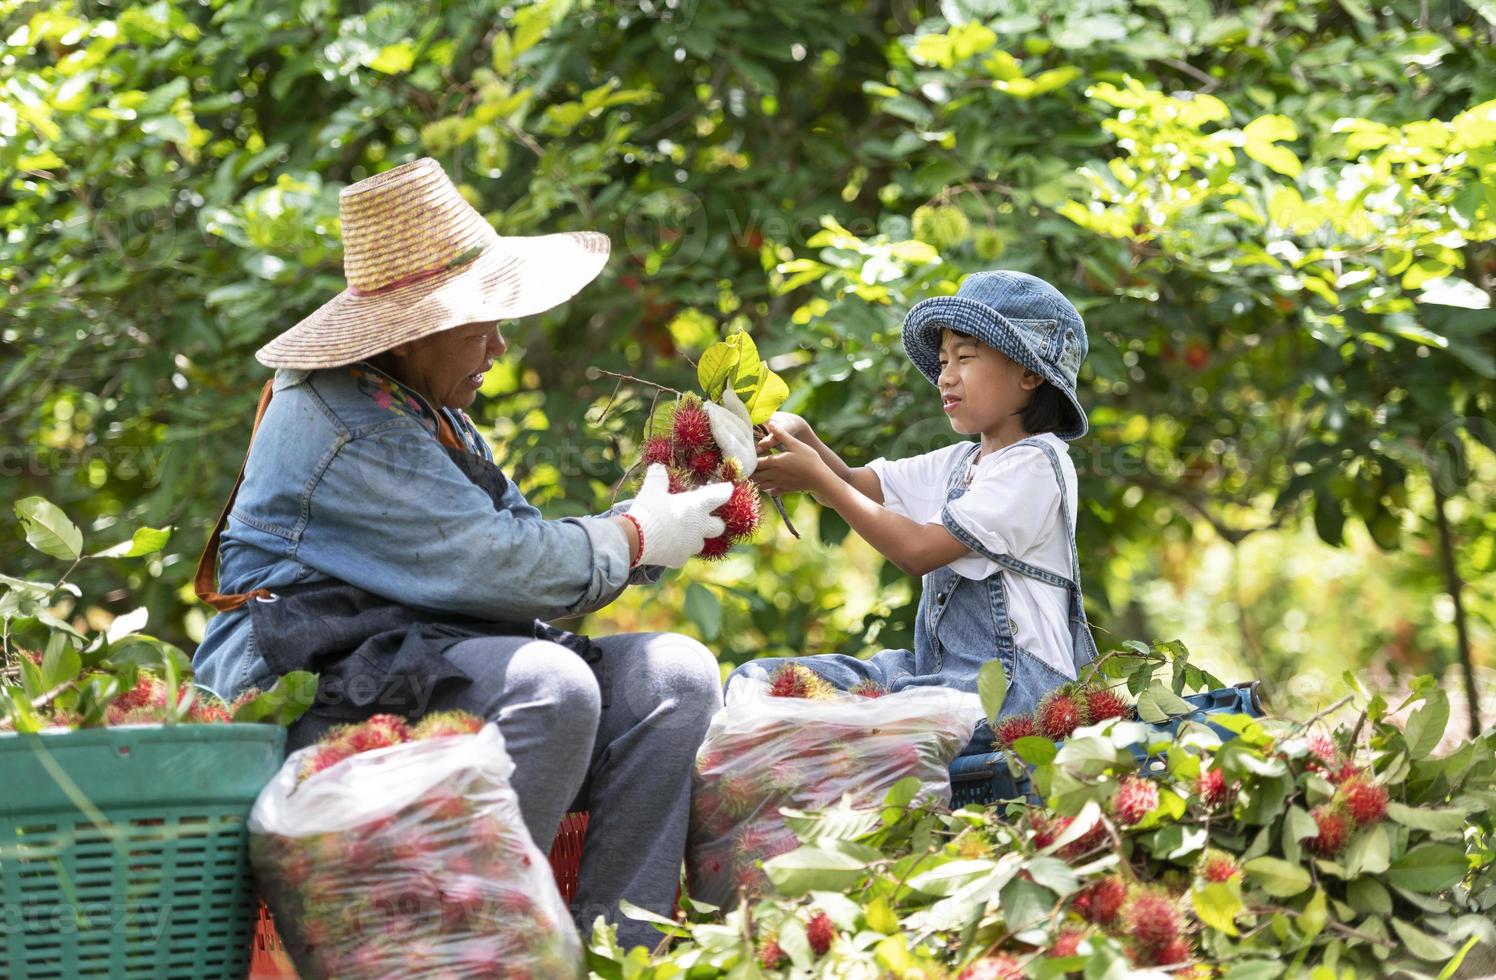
(674, 526)
(732, 428)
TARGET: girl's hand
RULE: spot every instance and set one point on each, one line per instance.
(797, 467)
(791, 425)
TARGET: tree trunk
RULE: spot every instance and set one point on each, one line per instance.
(1456, 590)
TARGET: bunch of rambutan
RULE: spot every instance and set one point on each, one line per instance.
(694, 459)
(445, 883)
(761, 755)
(146, 703)
(1061, 711)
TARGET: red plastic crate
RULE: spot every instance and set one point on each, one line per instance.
(268, 959)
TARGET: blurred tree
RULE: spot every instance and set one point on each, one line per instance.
(1277, 220)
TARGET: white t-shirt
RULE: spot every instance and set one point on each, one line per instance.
(1013, 507)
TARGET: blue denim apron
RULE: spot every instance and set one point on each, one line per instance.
(963, 623)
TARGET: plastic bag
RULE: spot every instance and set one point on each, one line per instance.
(763, 752)
(409, 861)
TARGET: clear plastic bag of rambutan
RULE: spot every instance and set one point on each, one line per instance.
(797, 742)
(395, 851)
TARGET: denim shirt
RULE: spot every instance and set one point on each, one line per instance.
(346, 479)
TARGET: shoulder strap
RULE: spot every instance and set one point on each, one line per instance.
(205, 581)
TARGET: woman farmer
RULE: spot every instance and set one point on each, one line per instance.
(371, 538)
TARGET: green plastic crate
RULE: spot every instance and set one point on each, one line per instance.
(124, 852)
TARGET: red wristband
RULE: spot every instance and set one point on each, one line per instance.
(635, 521)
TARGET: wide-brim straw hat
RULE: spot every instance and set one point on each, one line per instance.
(418, 259)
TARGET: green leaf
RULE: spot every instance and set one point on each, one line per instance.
(716, 366)
(949, 877)
(766, 398)
(1035, 750)
(1420, 943)
(287, 701)
(1429, 868)
(61, 663)
(145, 541)
(1426, 725)
(832, 866)
(992, 688)
(1368, 853)
(704, 609)
(1276, 876)
(48, 529)
(1217, 905)
(1312, 920)
(1448, 820)
(880, 916)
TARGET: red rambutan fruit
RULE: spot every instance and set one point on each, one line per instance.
(325, 757)
(1334, 831)
(821, 932)
(691, 428)
(703, 464)
(1151, 918)
(1101, 900)
(771, 955)
(1213, 789)
(740, 514)
(658, 450)
(1067, 943)
(1136, 798)
(1322, 747)
(1364, 800)
(680, 480)
(798, 681)
(1104, 702)
(1176, 950)
(1218, 866)
(441, 724)
(867, 689)
(715, 549)
(1060, 713)
(1345, 772)
(999, 967)
(1047, 830)
(1012, 728)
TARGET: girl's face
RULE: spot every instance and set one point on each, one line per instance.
(448, 367)
(981, 388)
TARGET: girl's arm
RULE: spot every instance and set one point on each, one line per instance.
(915, 548)
(768, 476)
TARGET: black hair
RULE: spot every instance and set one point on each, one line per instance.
(1048, 410)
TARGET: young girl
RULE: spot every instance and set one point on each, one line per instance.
(990, 524)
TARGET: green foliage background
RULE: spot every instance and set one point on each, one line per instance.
(1276, 218)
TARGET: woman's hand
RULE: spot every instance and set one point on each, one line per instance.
(797, 467)
(672, 527)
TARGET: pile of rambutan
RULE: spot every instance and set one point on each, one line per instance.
(838, 745)
(146, 702)
(1359, 802)
(446, 884)
(693, 460)
(1061, 711)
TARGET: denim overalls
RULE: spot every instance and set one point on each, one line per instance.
(962, 623)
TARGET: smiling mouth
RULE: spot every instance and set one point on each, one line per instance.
(949, 403)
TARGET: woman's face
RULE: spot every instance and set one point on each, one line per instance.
(447, 367)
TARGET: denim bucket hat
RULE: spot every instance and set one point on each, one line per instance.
(1021, 315)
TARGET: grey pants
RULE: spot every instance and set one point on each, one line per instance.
(629, 765)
